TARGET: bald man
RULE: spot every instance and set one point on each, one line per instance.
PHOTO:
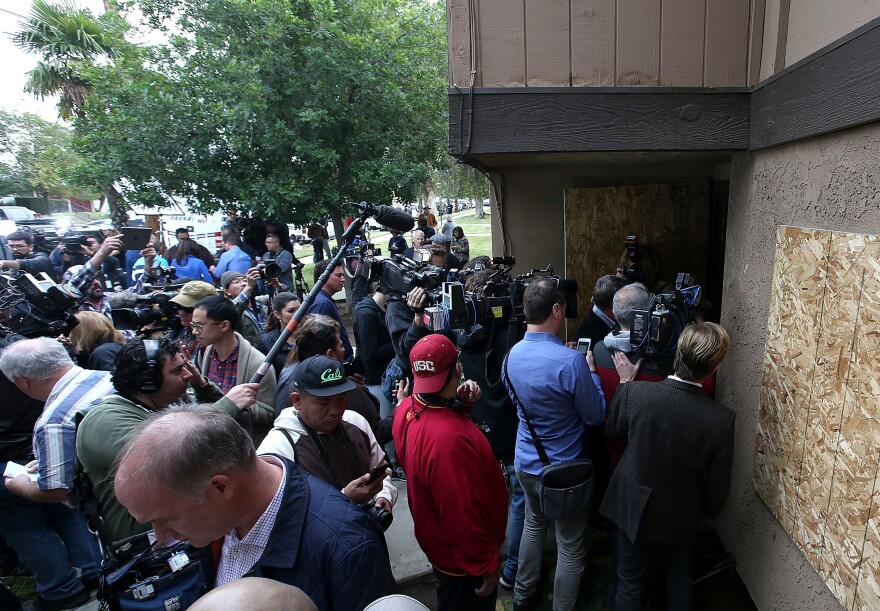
(193, 473)
(255, 594)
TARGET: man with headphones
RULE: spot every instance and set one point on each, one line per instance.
(456, 488)
(149, 375)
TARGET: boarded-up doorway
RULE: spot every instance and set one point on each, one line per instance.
(673, 219)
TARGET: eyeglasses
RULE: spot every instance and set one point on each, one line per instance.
(18, 246)
(198, 326)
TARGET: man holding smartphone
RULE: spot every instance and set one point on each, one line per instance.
(329, 441)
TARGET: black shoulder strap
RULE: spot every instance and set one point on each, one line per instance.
(82, 494)
(545, 460)
(286, 433)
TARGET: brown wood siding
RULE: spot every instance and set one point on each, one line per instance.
(501, 38)
(682, 37)
(592, 43)
(547, 43)
(606, 43)
(638, 43)
(727, 34)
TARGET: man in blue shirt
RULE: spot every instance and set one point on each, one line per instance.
(562, 394)
(324, 303)
(234, 259)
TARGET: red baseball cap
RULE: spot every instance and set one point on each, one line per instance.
(431, 358)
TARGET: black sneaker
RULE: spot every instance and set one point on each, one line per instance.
(506, 583)
(71, 601)
(397, 473)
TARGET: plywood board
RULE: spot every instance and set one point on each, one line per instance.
(792, 327)
(727, 38)
(593, 45)
(459, 42)
(818, 434)
(502, 43)
(638, 43)
(682, 41)
(670, 218)
(547, 43)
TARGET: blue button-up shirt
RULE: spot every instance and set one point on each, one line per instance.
(233, 260)
(555, 386)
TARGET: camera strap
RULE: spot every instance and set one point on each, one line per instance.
(322, 451)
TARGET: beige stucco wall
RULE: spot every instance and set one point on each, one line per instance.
(831, 182)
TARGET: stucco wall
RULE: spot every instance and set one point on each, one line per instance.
(831, 182)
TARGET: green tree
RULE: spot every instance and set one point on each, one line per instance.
(38, 157)
(279, 108)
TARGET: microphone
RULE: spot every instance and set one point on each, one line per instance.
(390, 217)
(122, 299)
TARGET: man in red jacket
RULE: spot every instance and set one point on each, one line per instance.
(455, 486)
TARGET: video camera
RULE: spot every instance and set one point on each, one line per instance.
(655, 330)
(36, 306)
(131, 312)
(635, 271)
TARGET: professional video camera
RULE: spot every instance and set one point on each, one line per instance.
(635, 271)
(36, 306)
(131, 312)
(655, 330)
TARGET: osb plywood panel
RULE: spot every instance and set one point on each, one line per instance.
(592, 42)
(682, 40)
(818, 435)
(547, 49)
(795, 310)
(671, 218)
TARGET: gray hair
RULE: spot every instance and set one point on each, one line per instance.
(631, 297)
(35, 359)
(183, 446)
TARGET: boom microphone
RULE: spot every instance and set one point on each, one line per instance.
(390, 217)
(122, 299)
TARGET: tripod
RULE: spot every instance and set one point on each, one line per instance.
(300, 286)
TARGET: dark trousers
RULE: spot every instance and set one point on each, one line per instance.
(633, 561)
(457, 593)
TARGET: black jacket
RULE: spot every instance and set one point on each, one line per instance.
(676, 467)
(372, 338)
(593, 327)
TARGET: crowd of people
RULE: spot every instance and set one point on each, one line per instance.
(294, 479)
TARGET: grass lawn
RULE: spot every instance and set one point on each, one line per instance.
(477, 231)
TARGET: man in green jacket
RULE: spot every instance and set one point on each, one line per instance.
(149, 376)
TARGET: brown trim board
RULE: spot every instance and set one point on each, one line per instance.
(835, 88)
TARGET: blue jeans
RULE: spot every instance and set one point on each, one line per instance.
(515, 518)
(633, 562)
(50, 539)
(570, 554)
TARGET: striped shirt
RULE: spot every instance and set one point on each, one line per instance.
(55, 430)
(240, 555)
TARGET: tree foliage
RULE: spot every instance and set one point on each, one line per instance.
(67, 39)
(36, 155)
(282, 108)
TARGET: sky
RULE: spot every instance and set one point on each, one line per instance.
(15, 63)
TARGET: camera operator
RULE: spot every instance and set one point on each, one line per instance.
(26, 258)
(675, 471)
(281, 257)
(327, 439)
(241, 289)
(440, 255)
(149, 376)
(82, 278)
(482, 355)
(406, 325)
(190, 293)
(600, 321)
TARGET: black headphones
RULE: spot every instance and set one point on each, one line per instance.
(150, 379)
(438, 401)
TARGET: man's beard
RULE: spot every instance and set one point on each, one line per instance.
(96, 293)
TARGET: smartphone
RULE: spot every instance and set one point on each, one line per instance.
(379, 472)
(584, 345)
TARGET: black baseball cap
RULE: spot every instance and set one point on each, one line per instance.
(322, 376)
